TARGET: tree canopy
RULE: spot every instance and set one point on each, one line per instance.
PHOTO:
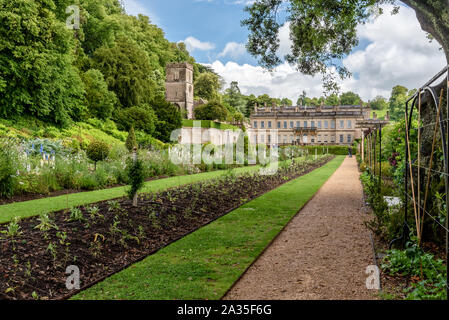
(113, 62)
(324, 31)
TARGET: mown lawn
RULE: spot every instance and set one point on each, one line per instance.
(35, 207)
(205, 264)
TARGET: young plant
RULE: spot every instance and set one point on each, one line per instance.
(52, 250)
(94, 212)
(76, 215)
(13, 229)
(45, 223)
(113, 206)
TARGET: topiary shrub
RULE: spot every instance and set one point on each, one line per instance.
(131, 140)
(136, 178)
(97, 151)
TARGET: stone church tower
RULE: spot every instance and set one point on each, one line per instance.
(179, 86)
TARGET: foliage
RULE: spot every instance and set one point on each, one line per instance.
(100, 100)
(213, 110)
(140, 118)
(399, 96)
(414, 263)
(379, 103)
(97, 151)
(37, 52)
(126, 68)
(350, 99)
(207, 86)
(168, 118)
(136, 177)
(234, 97)
(209, 124)
(7, 172)
(322, 32)
(131, 142)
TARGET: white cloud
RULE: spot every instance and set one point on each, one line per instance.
(283, 82)
(193, 44)
(398, 53)
(234, 50)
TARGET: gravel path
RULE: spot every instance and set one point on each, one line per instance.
(323, 252)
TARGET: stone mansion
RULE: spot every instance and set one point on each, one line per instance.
(321, 125)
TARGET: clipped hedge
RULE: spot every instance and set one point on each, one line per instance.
(335, 150)
(209, 124)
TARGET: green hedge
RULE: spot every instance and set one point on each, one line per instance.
(209, 124)
(335, 150)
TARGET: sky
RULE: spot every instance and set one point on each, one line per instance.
(393, 50)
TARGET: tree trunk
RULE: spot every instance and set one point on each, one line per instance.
(433, 16)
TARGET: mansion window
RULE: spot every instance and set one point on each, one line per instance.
(291, 124)
(255, 124)
(262, 124)
(326, 125)
(341, 138)
(349, 124)
(325, 138)
(305, 124)
(342, 124)
(285, 124)
(319, 138)
(332, 139)
(319, 124)
(333, 124)
(349, 138)
(312, 124)
(279, 124)
(298, 124)
(262, 138)
(269, 124)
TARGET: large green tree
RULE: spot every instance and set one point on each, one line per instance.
(207, 86)
(213, 110)
(234, 97)
(350, 99)
(379, 103)
(100, 100)
(399, 95)
(324, 31)
(168, 118)
(37, 76)
(127, 71)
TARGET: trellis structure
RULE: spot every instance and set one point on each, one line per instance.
(372, 145)
(414, 186)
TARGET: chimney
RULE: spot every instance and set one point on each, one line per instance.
(255, 107)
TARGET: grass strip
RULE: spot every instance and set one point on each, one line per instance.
(205, 264)
(36, 207)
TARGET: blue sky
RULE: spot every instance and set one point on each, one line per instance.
(210, 21)
(393, 49)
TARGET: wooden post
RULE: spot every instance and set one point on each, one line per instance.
(363, 145)
(134, 161)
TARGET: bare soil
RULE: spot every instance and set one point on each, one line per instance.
(118, 234)
(323, 252)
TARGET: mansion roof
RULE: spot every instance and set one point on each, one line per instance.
(302, 111)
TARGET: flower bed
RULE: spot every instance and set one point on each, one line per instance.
(108, 236)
